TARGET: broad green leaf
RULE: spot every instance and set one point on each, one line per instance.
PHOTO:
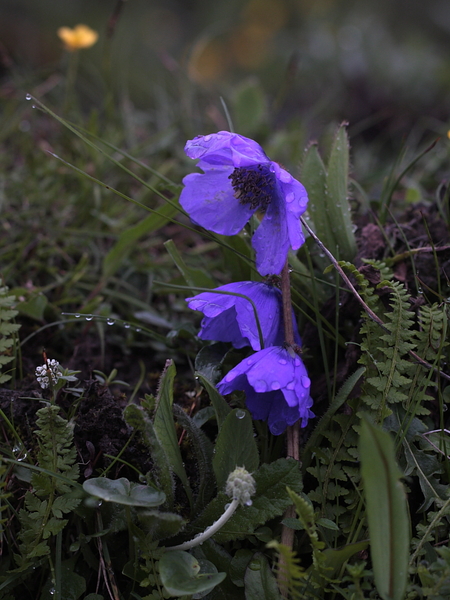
(33, 307)
(130, 236)
(338, 206)
(208, 361)
(73, 585)
(235, 446)
(137, 418)
(194, 278)
(259, 580)
(218, 401)
(161, 525)
(180, 574)
(121, 491)
(387, 512)
(271, 500)
(164, 425)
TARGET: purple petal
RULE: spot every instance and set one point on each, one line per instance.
(208, 199)
(271, 241)
(216, 307)
(225, 148)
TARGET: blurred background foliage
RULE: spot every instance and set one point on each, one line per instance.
(384, 66)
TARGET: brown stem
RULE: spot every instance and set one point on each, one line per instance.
(293, 449)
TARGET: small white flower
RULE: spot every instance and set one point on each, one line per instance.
(240, 486)
(44, 372)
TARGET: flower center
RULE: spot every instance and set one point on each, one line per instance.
(253, 185)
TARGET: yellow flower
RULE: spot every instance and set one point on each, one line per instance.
(80, 36)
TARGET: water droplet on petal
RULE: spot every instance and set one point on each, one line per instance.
(306, 381)
(207, 138)
(290, 197)
(284, 176)
(282, 361)
(240, 414)
(290, 386)
(275, 385)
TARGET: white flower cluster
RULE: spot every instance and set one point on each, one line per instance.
(240, 486)
(50, 369)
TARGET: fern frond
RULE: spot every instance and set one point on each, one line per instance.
(41, 518)
(7, 330)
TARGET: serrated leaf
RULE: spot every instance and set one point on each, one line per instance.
(271, 500)
(235, 446)
(137, 418)
(338, 206)
(387, 512)
(164, 425)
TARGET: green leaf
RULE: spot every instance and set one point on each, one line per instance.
(271, 500)
(121, 491)
(208, 361)
(338, 206)
(129, 237)
(161, 525)
(235, 446)
(314, 180)
(137, 418)
(203, 449)
(259, 580)
(165, 426)
(34, 307)
(387, 512)
(218, 401)
(180, 574)
(249, 107)
(194, 278)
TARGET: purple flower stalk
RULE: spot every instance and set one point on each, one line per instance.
(231, 318)
(276, 385)
(238, 180)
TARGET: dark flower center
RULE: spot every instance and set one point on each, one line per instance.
(253, 185)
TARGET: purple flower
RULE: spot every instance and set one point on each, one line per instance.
(276, 385)
(238, 180)
(230, 318)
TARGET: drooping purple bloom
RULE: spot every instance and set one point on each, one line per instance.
(238, 180)
(230, 318)
(276, 386)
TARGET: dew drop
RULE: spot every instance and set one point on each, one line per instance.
(52, 591)
(306, 381)
(89, 317)
(127, 325)
(275, 385)
(240, 414)
(249, 503)
(33, 106)
(137, 329)
(77, 315)
(290, 197)
(282, 361)
(110, 321)
(28, 97)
